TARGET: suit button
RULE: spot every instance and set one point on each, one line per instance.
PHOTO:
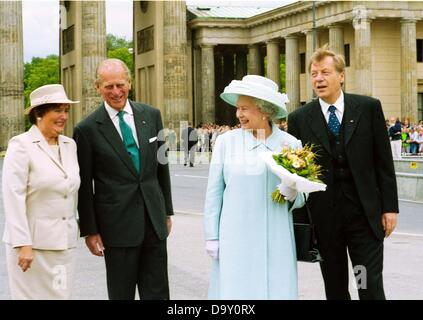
(66, 176)
(65, 196)
(64, 218)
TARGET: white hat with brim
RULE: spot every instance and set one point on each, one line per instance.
(50, 93)
(258, 87)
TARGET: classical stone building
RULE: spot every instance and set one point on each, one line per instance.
(185, 56)
(382, 43)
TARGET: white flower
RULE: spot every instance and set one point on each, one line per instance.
(296, 164)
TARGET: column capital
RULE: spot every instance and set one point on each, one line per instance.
(293, 36)
(335, 26)
(241, 50)
(410, 20)
(253, 45)
(274, 40)
(206, 45)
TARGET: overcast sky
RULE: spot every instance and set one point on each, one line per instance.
(41, 21)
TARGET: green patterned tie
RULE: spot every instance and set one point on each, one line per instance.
(129, 141)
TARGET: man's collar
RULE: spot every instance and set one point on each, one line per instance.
(339, 104)
(113, 112)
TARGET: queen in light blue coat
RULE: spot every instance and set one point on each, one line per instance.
(249, 237)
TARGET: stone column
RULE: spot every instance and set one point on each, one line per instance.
(93, 38)
(273, 61)
(228, 116)
(207, 79)
(292, 72)
(11, 71)
(409, 70)
(254, 57)
(241, 64)
(175, 62)
(220, 83)
(197, 84)
(336, 38)
(363, 57)
(309, 51)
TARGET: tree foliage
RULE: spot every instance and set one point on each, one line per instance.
(42, 71)
(39, 72)
(120, 48)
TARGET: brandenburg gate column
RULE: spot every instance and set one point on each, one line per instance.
(363, 56)
(11, 71)
(408, 70)
(336, 38)
(207, 83)
(273, 61)
(309, 51)
(241, 64)
(336, 41)
(175, 89)
(254, 63)
(93, 38)
(292, 63)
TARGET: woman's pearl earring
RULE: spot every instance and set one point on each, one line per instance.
(264, 118)
(38, 118)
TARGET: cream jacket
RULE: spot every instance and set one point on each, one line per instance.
(40, 193)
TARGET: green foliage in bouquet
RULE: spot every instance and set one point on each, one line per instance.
(300, 161)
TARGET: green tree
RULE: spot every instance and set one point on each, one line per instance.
(283, 73)
(39, 72)
(115, 42)
(120, 48)
(42, 71)
(123, 54)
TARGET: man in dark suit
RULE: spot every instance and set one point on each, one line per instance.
(360, 205)
(125, 199)
(189, 144)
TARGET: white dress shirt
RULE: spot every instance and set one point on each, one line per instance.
(128, 117)
(339, 105)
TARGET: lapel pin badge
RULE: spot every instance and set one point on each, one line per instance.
(352, 121)
(143, 122)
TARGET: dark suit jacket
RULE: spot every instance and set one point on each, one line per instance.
(369, 156)
(189, 137)
(113, 197)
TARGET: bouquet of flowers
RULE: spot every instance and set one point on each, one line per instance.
(296, 168)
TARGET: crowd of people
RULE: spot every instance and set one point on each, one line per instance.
(406, 139)
(205, 135)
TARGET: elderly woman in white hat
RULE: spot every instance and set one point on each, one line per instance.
(40, 184)
(250, 237)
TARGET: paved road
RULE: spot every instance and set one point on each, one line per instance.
(189, 266)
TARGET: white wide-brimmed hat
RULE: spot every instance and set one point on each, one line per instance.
(50, 93)
(257, 87)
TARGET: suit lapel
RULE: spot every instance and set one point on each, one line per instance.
(351, 117)
(38, 138)
(64, 152)
(108, 129)
(142, 125)
(316, 121)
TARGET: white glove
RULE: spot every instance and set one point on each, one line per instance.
(212, 248)
(289, 193)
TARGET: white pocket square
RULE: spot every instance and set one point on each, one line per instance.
(152, 139)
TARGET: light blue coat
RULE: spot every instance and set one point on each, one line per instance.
(257, 258)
